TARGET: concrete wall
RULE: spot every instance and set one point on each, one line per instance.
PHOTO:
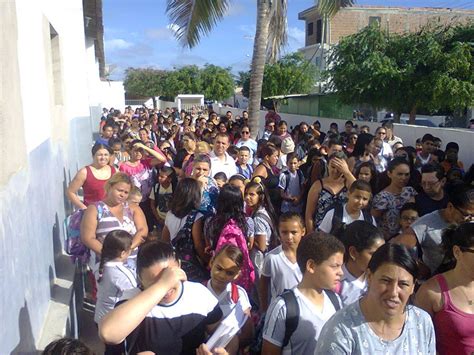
(45, 136)
(409, 133)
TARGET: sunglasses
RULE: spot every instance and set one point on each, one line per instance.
(245, 132)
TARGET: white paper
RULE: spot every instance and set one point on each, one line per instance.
(229, 327)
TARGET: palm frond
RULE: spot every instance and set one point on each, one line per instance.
(330, 8)
(195, 18)
(278, 36)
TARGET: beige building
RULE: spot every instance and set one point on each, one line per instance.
(351, 20)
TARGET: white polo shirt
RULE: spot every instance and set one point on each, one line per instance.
(227, 166)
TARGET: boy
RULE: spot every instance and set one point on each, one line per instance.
(408, 215)
(243, 168)
(359, 196)
(280, 270)
(295, 319)
(135, 196)
(425, 156)
(291, 185)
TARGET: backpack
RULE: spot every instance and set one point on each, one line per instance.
(73, 243)
(186, 253)
(232, 234)
(293, 312)
(338, 226)
(274, 237)
(301, 179)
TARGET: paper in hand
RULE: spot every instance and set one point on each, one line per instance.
(228, 328)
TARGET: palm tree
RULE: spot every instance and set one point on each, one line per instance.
(328, 9)
(195, 18)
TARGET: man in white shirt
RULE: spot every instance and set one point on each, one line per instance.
(221, 161)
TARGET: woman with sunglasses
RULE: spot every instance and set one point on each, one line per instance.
(449, 297)
(246, 140)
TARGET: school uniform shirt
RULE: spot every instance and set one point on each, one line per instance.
(326, 223)
(225, 300)
(175, 224)
(284, 275)
(352, 288)
(305, 337)
(116, 278)
(294, 189)
(178, 327)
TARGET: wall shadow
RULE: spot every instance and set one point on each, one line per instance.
(26, 344)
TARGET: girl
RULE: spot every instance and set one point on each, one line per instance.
(115, 277)
(185, 155)
(226, 268)
(183, 228)
(167, 314)
(366, 171)
(361, 239)
(230, 226)
(387, 203)
(162, 194)
(263, 215)
(238, 181)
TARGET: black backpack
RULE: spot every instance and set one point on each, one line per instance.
(301, 179)
(293, 312)
(338, 227)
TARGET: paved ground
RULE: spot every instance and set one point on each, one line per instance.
(88, 330)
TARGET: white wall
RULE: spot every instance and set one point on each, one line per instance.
(58, 140)
(409, 133)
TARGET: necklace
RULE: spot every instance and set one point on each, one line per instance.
(469, 301)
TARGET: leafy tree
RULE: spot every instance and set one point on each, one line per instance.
(145, 82)
(217, 83)
(185, 80)
(431, 69)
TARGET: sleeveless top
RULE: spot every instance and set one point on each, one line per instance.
(94, 189)
(454, 328)
(326, 201)
(271, 182)
(107, 222)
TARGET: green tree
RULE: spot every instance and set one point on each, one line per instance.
(185, 80)
(145, 82)
(429, 69)
(217, 82)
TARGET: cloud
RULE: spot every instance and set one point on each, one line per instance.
(116, 43)
(163, 33)
(296, 35)
(235, 9)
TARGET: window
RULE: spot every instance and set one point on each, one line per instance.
(310, 29)
(319, 30)
(374, 19)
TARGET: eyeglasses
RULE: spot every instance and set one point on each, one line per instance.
(381, 133)
(467, 216)
(245, 132)
(466, 250)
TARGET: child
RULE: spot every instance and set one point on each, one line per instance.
(408, 215)
(359, 196)
(162, 193)
(361, 240)
(291, 185)
(366, 171)
(116, 277)
(280, 270)
(243, 168)
(221, 179)
(262, 213)
(225, 270)
(295, 319)
(135, 196)
(239, 181)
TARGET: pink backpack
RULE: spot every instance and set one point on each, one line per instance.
(232, 234)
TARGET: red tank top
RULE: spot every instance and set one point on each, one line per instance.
(454, 328)
(94, 189)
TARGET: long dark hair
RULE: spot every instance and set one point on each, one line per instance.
(186, 197)
(462, 236)
(114, 244)
(363, 140)
(230, 205)
(263, 200)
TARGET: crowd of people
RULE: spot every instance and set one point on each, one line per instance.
(338, 242)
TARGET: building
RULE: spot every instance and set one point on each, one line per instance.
(51, 96)
(351, 20)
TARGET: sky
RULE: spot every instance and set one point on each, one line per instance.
(138, 33)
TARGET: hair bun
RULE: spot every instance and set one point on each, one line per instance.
(257, 179)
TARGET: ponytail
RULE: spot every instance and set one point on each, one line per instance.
(114, 244)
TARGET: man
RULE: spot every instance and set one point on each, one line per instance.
(221, 161)
(425, 235)
(390, 137)
(228, 116)
(107, 133)
(425, 156)
(433, 196)
(269, 130)
(386, 151)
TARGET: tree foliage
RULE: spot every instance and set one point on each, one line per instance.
(430, 69)
(144, 81)
(292, 74)
(218, 84)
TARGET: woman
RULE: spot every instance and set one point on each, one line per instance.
(449, 297)
(324, 193)
(247, 141)
(351, 141)
(382, 321)
(371, 153)
(183, 229)
(167, 314)
(270, 180)
(112, 213)
(185, 155)
(92, 178)
(386, 204)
